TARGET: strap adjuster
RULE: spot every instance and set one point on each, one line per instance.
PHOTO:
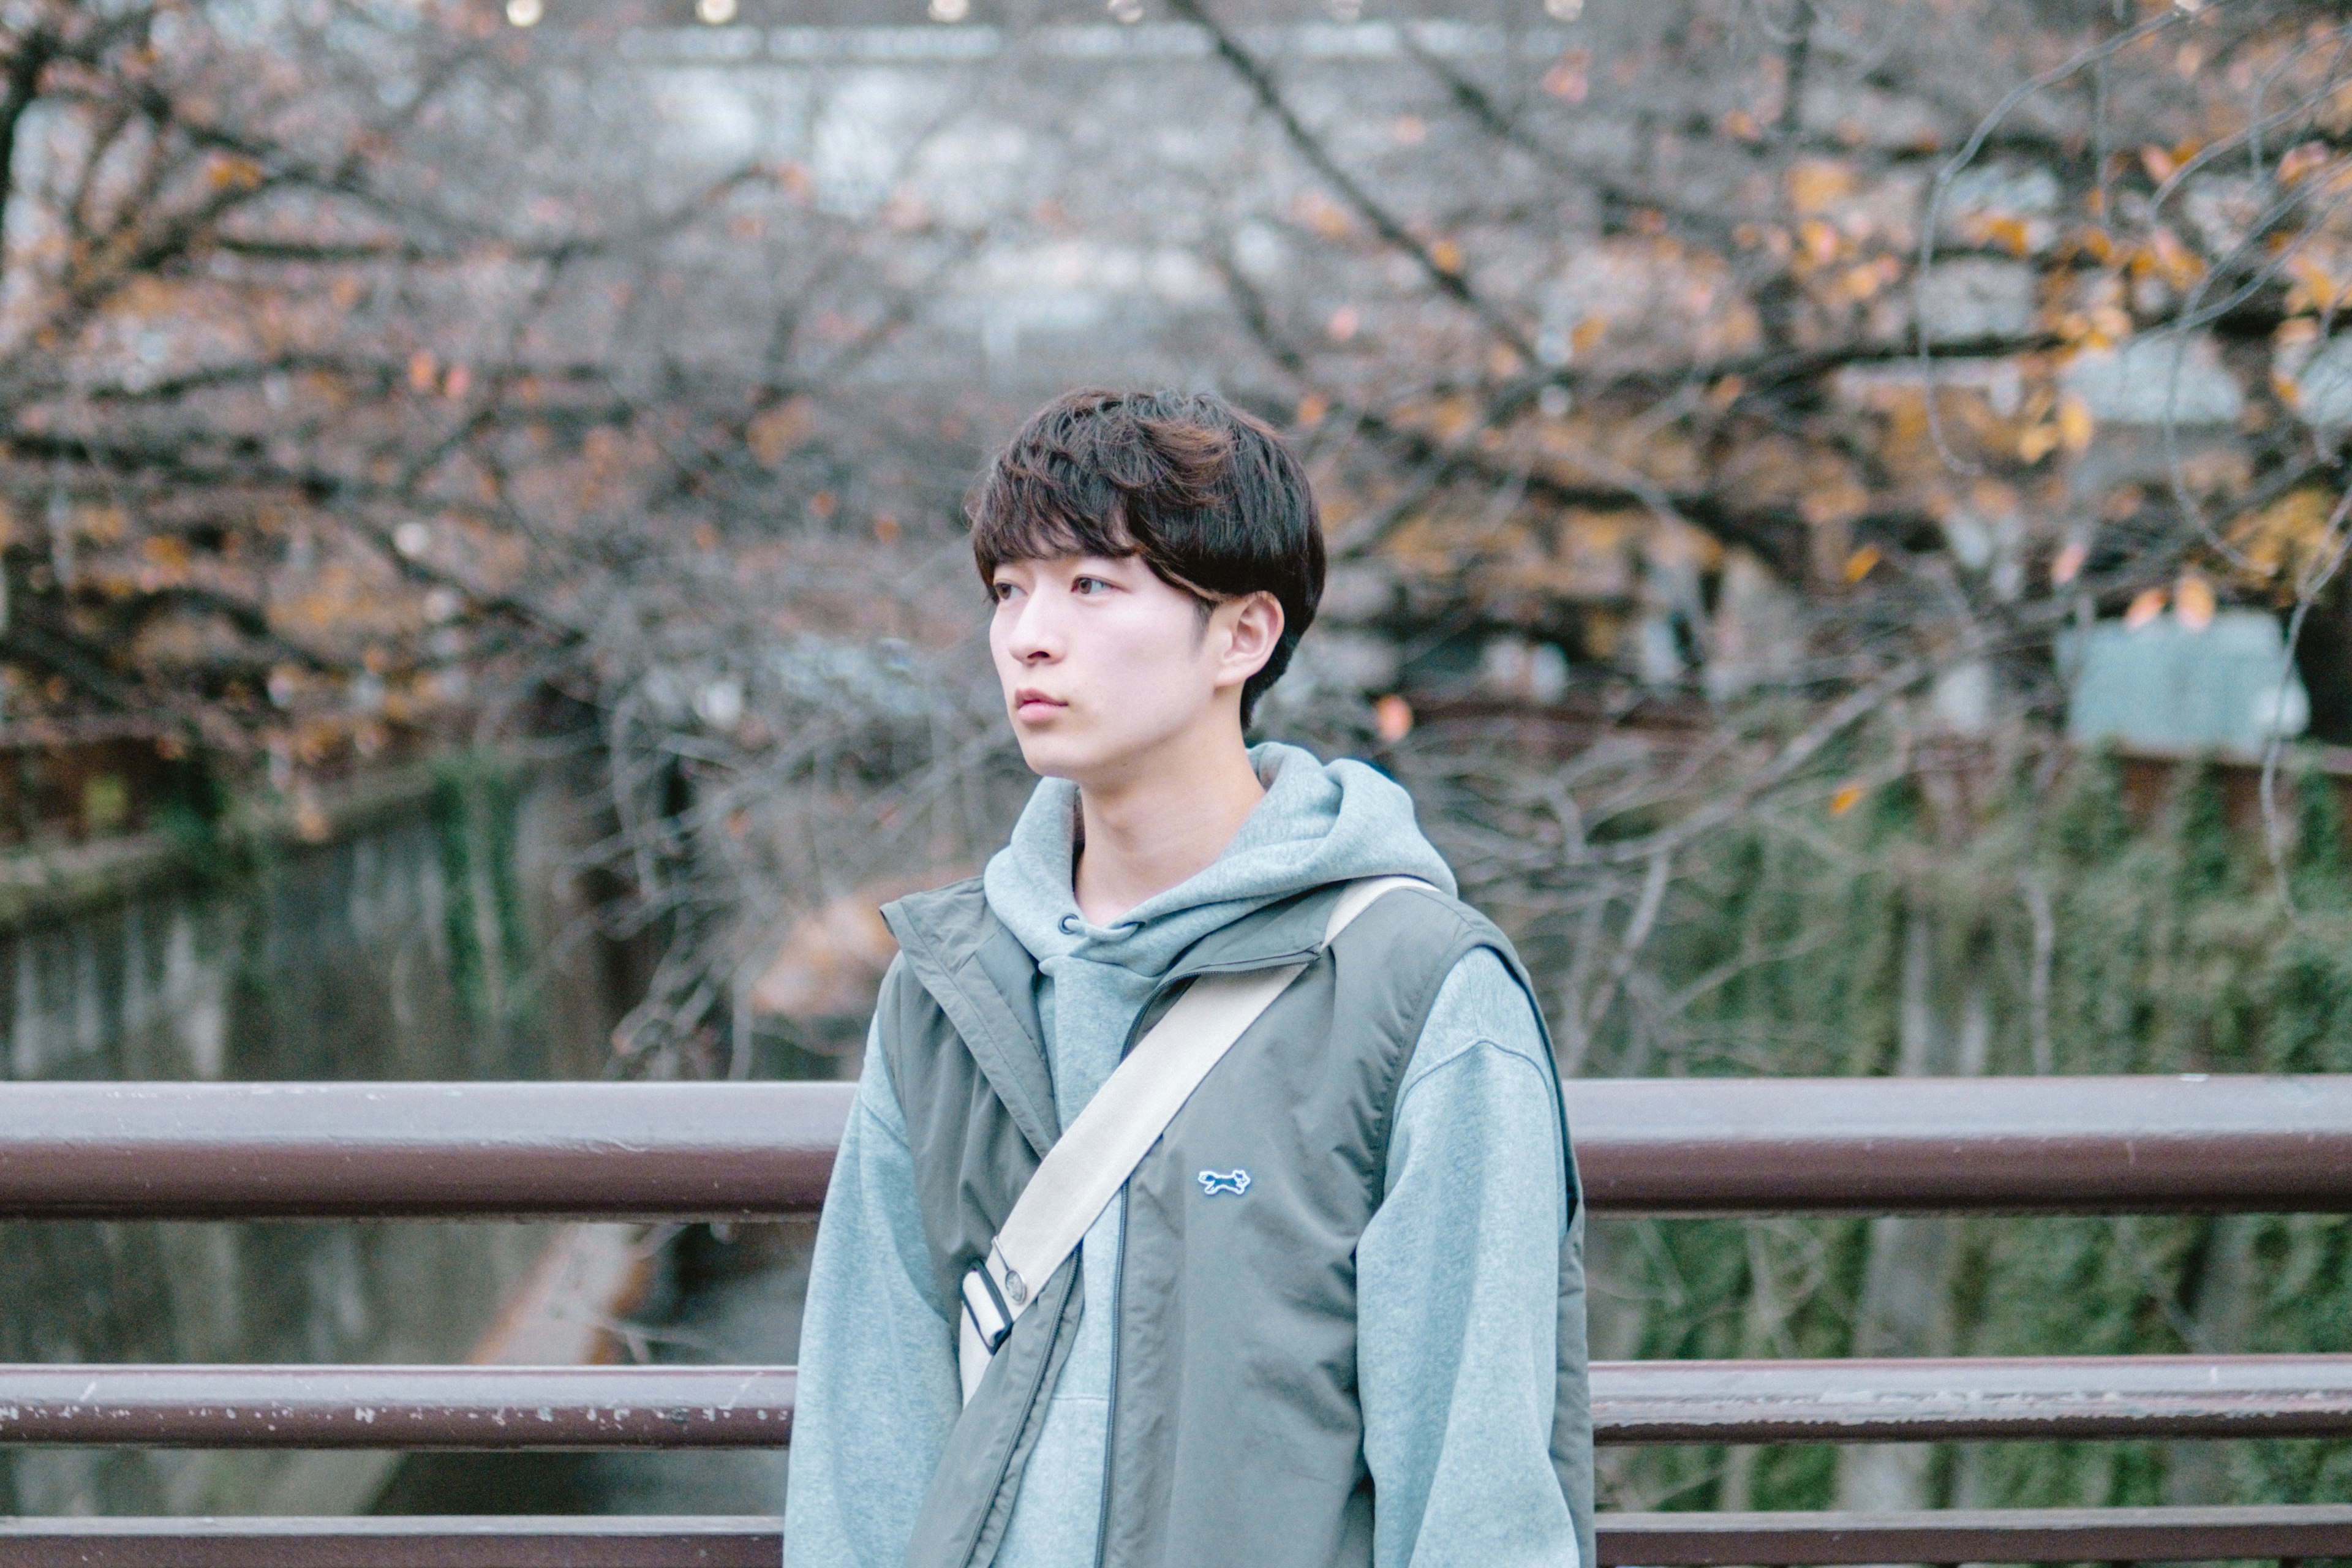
(985, 1306)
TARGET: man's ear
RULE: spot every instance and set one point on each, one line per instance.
(1251, 626)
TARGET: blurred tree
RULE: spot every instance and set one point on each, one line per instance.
(1720, 411)
(348, 361)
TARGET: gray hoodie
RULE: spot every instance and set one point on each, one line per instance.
(1456, 1275)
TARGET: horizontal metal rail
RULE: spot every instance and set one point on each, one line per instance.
(748, 1541)
(743, 1151)
(1972, 1535)
(1987, 1397)
(750, 1406)
(418, 1150)
(397, 1406)
(1663, 1540)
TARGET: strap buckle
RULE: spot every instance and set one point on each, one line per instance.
(985, 1304)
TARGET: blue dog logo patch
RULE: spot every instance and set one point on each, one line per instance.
(1235, 1181)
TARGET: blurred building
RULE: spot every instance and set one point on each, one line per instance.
(2168, 686)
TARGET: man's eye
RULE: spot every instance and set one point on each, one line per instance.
(999, 592)
(1088, 585)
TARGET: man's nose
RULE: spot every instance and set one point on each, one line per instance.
(1035, 637)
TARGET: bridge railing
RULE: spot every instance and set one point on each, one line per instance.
(743, 1152)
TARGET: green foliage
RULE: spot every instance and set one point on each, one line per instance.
(1894, 939)
(476, 802)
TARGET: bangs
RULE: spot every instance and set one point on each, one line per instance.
(1021, 514)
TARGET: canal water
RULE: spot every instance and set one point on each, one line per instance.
(721, 1296)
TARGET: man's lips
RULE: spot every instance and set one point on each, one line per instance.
(1029, 704)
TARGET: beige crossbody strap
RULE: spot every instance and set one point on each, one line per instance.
(1092, 1159)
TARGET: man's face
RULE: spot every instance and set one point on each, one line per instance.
(1106, 668)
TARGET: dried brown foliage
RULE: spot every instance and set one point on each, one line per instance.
(1720, 407)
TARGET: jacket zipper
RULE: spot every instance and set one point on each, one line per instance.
(1118, 1270)
(1111, 1408)
(1118, 1296)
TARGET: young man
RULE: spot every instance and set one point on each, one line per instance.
(1336, 1315)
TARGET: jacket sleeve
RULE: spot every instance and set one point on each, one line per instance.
(1458, 1294)
(877, 1390)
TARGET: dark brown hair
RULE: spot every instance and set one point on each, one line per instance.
(1208, 496)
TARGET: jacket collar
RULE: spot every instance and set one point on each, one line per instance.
(979, 973)
(985, 980)
(1279, 933)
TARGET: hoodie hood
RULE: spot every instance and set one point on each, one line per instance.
(1320, 824)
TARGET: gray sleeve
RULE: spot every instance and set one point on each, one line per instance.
(877, 1390)
(1458, 1283)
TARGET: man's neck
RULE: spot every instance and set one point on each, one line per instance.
(1159, 825)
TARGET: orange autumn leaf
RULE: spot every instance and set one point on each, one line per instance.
(233, 173)
(1818, 183)
(2014, 235)
(1568, 78)
(2299, 161)
(774, 433)
(2075, 425)
(1324, 215)
(167, 551)
(2193, 601)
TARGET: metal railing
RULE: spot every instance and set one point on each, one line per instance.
(1687, 1540)
(763, 1150)
(1912, 1401)
(754, 1151)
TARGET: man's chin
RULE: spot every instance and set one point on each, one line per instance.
(1092, 754)
(1053, 757)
